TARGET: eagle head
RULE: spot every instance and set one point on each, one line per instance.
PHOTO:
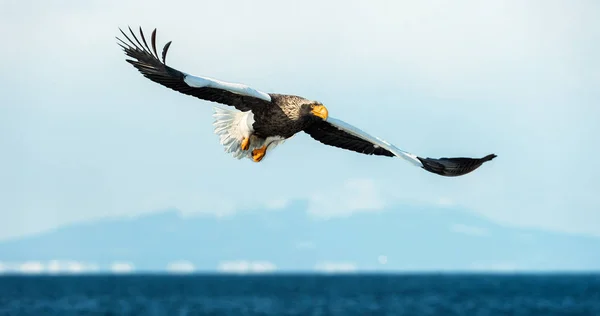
(314, 110)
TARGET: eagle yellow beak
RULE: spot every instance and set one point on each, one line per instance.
(320, 111)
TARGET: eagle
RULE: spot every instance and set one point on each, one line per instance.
(254, 122)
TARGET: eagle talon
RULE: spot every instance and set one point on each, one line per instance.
(245, 143)
(259, 153)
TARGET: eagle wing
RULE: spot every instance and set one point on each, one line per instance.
(337, 133)
(150, 65)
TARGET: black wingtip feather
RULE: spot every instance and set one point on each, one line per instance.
(154, 43)
(164, 52)
(488, 157)
(135, 37)
(127, 37)
(453, 167)
(144, 39)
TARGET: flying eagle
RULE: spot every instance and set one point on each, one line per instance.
(261, 121)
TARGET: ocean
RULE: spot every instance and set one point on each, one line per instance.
(278, 294)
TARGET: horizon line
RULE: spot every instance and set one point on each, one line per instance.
(364, 272)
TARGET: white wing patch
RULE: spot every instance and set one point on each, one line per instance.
(232, 126)
(376, 141)
(238, 88)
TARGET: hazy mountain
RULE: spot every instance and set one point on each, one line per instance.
(408, 238)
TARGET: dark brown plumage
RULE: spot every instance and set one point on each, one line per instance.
(275, 116)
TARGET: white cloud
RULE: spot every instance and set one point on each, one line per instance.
(54, 266)
(51, 267)
(469, 230)
(122, 267)
(79, 267)
(335, 267)
(244, 266)
(58, 266)
(181, 267)
(355, 195)
(496, 266)
(30, 267)
(382, 259)
(263, 266)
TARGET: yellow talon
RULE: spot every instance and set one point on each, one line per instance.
(245, 143)
(259, 154)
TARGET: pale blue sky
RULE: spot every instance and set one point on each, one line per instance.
(84, 136)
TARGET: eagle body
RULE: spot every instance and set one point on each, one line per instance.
(266, 126)
(283, 117)
(255, 121)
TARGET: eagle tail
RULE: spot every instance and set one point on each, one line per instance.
(232, 126)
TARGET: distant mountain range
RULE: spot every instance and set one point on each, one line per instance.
(402, 238)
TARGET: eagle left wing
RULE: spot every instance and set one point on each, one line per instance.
(337, 133)
(148, 63)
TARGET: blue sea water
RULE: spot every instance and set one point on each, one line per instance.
(435, 294)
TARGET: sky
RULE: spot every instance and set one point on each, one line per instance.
(84, 136)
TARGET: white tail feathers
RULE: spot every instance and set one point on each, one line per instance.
(232, 126)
